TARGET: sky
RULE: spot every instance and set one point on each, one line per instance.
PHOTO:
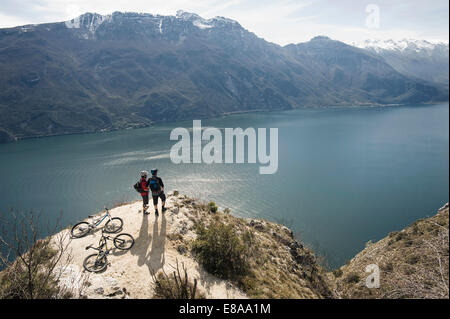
(278, 21)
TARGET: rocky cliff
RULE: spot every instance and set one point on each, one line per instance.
(281, 266)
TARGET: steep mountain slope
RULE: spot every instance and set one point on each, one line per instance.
(415, 58)
(413, 263)
(128, 69)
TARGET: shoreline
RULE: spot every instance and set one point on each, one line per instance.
(152, 123)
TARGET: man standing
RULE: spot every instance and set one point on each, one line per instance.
(157, 187)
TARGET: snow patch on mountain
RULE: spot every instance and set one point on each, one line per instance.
(400, 46)
(188, 16)
(201, 23)
(423, 59)
(89, 21)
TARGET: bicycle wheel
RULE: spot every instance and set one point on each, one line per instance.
(114, 225)
(123, 241)
(95, 263)
(80, 230)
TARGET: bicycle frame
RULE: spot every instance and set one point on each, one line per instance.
(98, 262)
(103, 244)
(102, 219)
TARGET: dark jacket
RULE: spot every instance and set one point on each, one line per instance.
(160, 182)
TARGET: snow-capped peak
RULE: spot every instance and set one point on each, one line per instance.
(90, 21)
(202, 23)
(400, 45)
(184, 15)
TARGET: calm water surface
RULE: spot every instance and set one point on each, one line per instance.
(345, 176)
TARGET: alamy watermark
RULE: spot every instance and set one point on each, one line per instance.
(219, 150)
(373, 280)
(373, 17)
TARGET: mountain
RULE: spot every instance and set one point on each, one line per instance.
(126, 70)
(346, 74)
(416, 58)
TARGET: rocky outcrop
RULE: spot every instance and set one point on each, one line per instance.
(412, 263)
(282, 267)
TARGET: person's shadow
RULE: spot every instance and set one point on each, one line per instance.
(156, 258)
(143, 241)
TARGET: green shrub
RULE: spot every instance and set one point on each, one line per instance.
(212, 207)
(408, 270)
(337, 272)
(248, 283)
(408, 243)
(388, 267)
(413, 259)
(393, 234)
(352, 277)
(415, 229)
(221, 251)
(401, 236)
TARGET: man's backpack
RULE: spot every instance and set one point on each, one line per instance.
(138, 187)
(154, 185)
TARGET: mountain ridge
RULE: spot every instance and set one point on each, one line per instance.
(125, 70)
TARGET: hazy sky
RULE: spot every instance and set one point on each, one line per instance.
(279, 21)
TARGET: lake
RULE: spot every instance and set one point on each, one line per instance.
(345, 175)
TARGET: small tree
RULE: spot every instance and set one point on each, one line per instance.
(32, 265)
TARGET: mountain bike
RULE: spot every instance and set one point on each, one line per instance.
(113, 225)
(98, 262)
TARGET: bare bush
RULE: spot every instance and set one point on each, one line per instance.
(32, 263)
(428, 276)
(175, 286)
